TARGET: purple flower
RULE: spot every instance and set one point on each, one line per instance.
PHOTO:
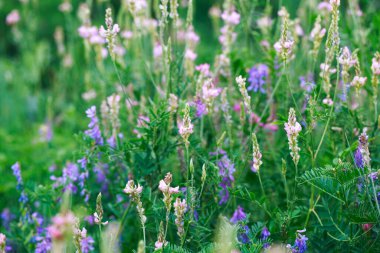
(83, 162)
(265, 233)
(243, 235)
(226, 170)
(94, 130)
(200, 107)
(307, 82)
(239, 215)
(6, 218)
(258, 76)
(87, 244)
(16, 168)
(359, 159)
(300, 244)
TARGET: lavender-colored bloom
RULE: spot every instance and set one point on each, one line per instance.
(300, 244)
(359, 159)
(226, 170)
(265, 233)
(239, 215)
(94, 130)
(243, 235)
(200, 107)
(87, 244)
(307, 82)
(258, 76)
(17, 173)
(83, 162)
(6, 218)
(20, 185)
(44, 245)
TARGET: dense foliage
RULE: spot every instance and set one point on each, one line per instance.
(189, 126)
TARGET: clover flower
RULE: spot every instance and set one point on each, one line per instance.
(110, 32)
(293, 128)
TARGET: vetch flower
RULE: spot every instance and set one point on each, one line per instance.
(94, 130)
(239, 215)
(258, 77)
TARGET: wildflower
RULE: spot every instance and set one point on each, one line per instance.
(226, 171)
(265, 24)
(307, 83)
(328, 101)
(225, 107)
(82, 241)
(364, 151)
(258, 76)
(243, 91)
(13, 17)
(135, 193)
(110, 32)
(179, 211)
(98, 215)
(284, 47)
(3, 240)
(94, 130)
(358, 158)
(161, 242)
(174, 11)
(358, 82)
(173, 103)
(231, 17)
(239, 215)
(375, 67)
(265, 233)
(186, 127)
(300, 244)
(62, 226)
(293, 128)
(16, 168)
(256, 154)
(316, 36)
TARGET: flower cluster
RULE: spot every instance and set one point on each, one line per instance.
(284, 47)
(62, 226)
(243, 91)
(300, 244)
(94, 129)
(256, 154)
(110, 32)
(258, 77)
(240, 216)
(16, 168)
(293, 128)
(135, 193)
(186, 127)
(179, 211)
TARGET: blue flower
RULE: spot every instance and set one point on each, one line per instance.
(258, 76)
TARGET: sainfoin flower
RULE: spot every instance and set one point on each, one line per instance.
(62, 225)
(186, 127)
(110, 32)
(179, 211)
(293, 128)
(13, 17)
(3, 240)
